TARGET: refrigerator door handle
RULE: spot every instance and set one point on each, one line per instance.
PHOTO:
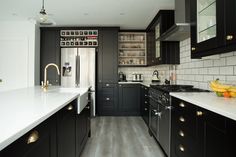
(77, 70)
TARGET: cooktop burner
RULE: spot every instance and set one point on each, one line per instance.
(177, 88)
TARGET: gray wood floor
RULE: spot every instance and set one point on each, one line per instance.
(120, 137)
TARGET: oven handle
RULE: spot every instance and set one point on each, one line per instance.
(157, 113)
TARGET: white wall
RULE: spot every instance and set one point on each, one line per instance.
(19, 51)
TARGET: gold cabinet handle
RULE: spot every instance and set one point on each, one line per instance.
(199, 113)
(145, 109)
(181, 133)
(193, 48)
(181, 119)
(107, 85)
(33, 137)
(87, 107)
(181, 148)
(182, 105)
(107, 99)
(70, 107)
(229, 37)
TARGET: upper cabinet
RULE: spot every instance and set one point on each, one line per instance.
(132, 49)
(158, 51)
(212, 27)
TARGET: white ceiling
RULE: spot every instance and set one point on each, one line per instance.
(128, 14)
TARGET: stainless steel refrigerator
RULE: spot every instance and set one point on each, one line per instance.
(78, 69)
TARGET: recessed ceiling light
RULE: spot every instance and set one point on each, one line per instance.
(85, 14)
(122, 14)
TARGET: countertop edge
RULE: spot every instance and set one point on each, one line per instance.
(211, 108)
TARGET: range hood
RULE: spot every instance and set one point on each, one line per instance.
(181, 29)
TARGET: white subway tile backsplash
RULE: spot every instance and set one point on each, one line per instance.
(214, 71)
(231, 60)
(227, 70)
(197, 72)
(208, 63)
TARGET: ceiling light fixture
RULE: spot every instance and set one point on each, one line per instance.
(43, 17)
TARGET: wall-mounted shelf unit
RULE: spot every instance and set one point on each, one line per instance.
(132, 49)
(79, 38)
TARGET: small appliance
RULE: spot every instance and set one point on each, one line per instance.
(122, 77)
(155, 76)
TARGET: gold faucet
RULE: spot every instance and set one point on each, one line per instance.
(45, 83)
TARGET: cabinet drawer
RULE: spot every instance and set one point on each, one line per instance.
(106, 97)
(183, 107)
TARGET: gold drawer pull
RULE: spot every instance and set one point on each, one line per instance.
(181, 148)
(33, 137)
(145, 109)
(182, 105)
(193, 49)
(70, 107)
(199, 113)
(107, 85)
(107, 99)
(229, 37)
(181, 133)
(181, 119)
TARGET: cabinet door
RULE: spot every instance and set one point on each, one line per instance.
(50, 53)
(129, 102)
(230, 20)
(231, 138)
(151, 47)
(66, 131)
(207, 29)
(108, 56)
(43, 146)
(211, 134)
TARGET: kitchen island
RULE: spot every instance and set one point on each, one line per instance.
(24, 109)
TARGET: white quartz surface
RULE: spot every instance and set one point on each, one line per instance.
(23, 109)
(223, 106)
(147, 84)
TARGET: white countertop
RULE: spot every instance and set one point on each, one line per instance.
(23, 109)
(223, 106)
(147, 84)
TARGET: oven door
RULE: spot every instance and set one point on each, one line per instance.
(153, 118)
(164, 127)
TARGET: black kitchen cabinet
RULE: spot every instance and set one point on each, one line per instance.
(212, 27)
(230, 20)
(197, 132)
(82, 129)
(129, 102)
(43, 146)
(66, 127)
(107, 72)
(50, 53)
(161, 52)
(144, 103)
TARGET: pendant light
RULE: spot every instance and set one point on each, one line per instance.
(43, 17)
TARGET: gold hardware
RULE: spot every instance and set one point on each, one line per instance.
(182, 104)
(229, 37)
(70, 107)
(33, 137)
(145, 109)
(199, 113)
(193, 48)
(181, 119)
(45, 83)
(107, 85)
(145, 102)
(181, 148)
(181, 133)
(88, 107)
(107, 99)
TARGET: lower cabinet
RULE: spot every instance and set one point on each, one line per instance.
(144, 103)
(63, 134)
(197, 132)
(66, 131)
(83, 129)
(39, 142)
(129, 99)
